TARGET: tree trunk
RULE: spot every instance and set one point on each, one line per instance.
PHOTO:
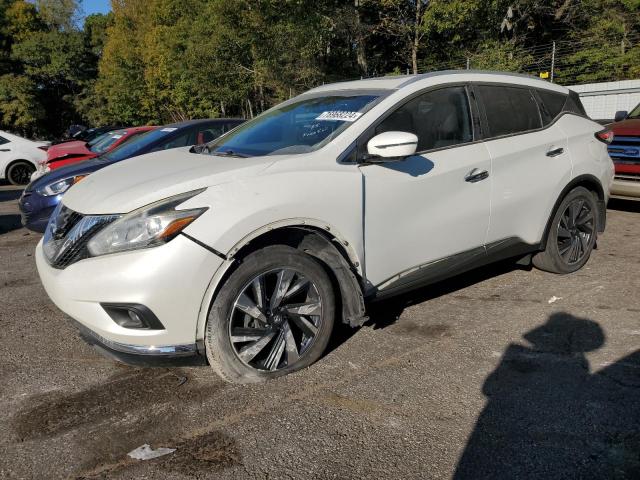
(250, 108)
(416, 37)
(361, 49)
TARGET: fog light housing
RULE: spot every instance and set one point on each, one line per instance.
(132, 315)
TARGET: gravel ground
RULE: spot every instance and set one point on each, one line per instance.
(501, 373)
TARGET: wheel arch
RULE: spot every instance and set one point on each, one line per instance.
(334, 253)
(592, 184)
(12, 162)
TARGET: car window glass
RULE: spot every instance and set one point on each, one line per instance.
(231, 126)
(179, 141)
(439, 118)
(574, 105)
(551, 104)
(107, 141)
(209, 134)
(296, 127)
(3, 141)
(509, 110)
(97, 139)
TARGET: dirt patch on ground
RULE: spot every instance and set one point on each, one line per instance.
(204, 454)
(56, 413)
(431, 331)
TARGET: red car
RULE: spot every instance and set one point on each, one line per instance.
(73, 152)
(625, 153)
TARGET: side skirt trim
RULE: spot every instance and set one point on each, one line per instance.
(447, 267)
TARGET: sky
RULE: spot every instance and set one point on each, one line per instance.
(95, 6)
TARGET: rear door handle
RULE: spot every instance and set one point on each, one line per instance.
(5, 149)
(555, 152)
(476, 175)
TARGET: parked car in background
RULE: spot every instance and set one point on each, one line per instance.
(19, 157)
(73, 152)
(249, 248)
(42, 195)
(90, 133)
(625, 152)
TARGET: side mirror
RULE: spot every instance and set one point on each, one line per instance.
(391, 145)
(620, 115)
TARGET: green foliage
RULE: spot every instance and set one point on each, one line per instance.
(158, 61)
(19, 107)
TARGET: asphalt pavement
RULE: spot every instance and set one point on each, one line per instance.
(505, 372)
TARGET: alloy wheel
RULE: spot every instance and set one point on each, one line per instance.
(575, 231)
(275, 319)
(21, 173)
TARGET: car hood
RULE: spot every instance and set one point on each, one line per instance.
(142, 180)
(626, 127)
(68, 149)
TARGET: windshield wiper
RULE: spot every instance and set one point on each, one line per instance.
(228, 153)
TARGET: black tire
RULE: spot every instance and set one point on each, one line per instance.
(224, 356)
(19, 172)
(556, 258)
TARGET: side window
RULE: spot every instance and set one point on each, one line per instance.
(574, 104)
(440, 118)
(208, 134)
(230, 126)
(3, 141)
(180, 141)
(509, 110)
(551, 104)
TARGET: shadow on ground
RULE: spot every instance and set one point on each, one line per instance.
(9, 222)
(548, 415)
(384, 313)
(8, 195)
(624, 205)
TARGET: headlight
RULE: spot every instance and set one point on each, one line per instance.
(59, 186)
(148, 226)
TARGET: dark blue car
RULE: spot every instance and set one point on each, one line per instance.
(42, 195)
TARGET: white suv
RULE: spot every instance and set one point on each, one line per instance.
(244, 251)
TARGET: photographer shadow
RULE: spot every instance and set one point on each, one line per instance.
(548, 416)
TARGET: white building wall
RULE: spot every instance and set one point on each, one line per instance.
(603, 100)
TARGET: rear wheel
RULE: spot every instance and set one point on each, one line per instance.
(572, 234)
(19, 173)
(274, 315)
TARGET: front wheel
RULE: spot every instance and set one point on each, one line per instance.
(274, 315)
(572, 234)
(19, 173)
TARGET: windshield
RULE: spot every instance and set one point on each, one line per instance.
(635, 113)
(294, 128)
(137, 145)
(104, 142)
(97, 139)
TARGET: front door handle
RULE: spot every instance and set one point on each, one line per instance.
(555, 152)
(476, 175)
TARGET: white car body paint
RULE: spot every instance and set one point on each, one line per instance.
(390, 218)
(19, 148)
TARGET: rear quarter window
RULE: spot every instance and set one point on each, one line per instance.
(574, 105)
(551, 104)
(509, 110)
(3, 141)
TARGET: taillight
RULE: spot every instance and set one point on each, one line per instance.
(605, 136)
(44, 148)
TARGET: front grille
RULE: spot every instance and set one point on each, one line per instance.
(67, 234)
(625, 149)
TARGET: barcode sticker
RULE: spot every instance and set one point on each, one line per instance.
(339, 115)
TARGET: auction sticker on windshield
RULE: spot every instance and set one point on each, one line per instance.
(339, 115)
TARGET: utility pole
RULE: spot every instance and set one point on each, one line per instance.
(468, 63)
(553, 59)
